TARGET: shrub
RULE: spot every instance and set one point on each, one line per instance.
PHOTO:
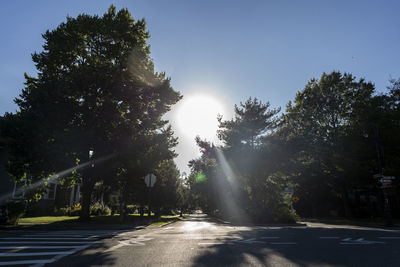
(16, 209)
(98, 209)
(285, 214)
(131, 209)
(69, 211)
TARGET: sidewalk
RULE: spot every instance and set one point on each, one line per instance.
(346, 222)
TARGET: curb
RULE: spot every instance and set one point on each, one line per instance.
(255, 224)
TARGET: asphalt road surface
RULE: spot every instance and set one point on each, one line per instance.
(200, 241)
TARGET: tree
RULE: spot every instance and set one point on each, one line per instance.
(325, 125)
(96, 90)
(242, 179)
(252, 120)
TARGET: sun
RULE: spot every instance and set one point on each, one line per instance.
(197, 115)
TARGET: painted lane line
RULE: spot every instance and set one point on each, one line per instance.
(25, 254)
(211, 243)
(42, 247)
(26, 262)
(63, 235)
(129, 242)
(115, 247)
(46, 238)
(283, 243)
(329, 237)
(360, 241)
(49, 242)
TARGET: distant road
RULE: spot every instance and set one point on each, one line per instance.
(199, 241)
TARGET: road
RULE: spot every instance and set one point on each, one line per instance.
(200, 241)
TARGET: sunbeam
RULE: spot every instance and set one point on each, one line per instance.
(232, 196)
(54, 177)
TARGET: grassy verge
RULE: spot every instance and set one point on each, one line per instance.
(166, 220)
(115, 219)
(46, 220)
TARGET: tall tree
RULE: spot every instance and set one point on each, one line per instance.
(325, 124)
(96, 90)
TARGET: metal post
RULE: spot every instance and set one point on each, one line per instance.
(149, 211)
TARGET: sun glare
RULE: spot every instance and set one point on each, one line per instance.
(198, 116)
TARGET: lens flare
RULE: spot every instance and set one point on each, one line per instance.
(200, 177)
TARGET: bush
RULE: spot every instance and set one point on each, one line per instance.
(16, 209)
(131, 209)
(285, 214)
(98, 209)
(69, 211)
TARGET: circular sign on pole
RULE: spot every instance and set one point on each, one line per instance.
(150, 179)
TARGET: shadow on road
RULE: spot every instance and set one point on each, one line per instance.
(302, 246)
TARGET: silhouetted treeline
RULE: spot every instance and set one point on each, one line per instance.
(327, 145)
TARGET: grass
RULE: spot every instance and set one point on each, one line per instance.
(47, 219)
(165, 219)
(115, 219)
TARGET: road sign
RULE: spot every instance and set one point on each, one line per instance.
(389, 177)
(150, 179)
(289, 190)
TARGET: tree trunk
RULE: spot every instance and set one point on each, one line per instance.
(123, 201)
(87, 188)
(346, 202)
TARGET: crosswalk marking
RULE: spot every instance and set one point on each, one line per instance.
(49, 242)
(46, 253)
(51, 246)
(46, 238)
(26, 262)
(41, 247)
(283, 243)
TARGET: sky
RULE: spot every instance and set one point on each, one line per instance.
(229, 50)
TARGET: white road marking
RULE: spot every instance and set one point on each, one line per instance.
(129, 242)
(26, 262)
(42, 247)
(46, 253)
(210, 243)
(115, 247)
(47, 238)
(44, 242)
(55, 235)
(249, 241)
(360, 241)
(283, 243)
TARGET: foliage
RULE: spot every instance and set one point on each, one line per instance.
(241, 180)
(75, 210)
(16, 209)
(98, 209)
(96, 90)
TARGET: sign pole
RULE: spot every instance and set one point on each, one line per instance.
(150, 179)
(149, 212)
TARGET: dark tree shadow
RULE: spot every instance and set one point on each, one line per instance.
(314, 247)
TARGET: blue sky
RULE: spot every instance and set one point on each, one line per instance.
(234, 49)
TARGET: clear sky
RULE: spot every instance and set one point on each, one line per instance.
(229, 49)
